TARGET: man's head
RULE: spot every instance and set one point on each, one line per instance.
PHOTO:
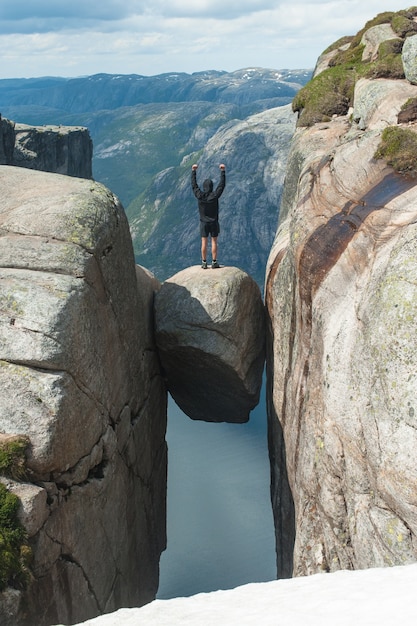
(208, 185)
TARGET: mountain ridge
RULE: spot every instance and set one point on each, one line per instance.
(110, 91)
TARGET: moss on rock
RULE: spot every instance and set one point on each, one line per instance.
(330, 93)
(403, 24)
(398, 147)
(15, 553)
(12, 456)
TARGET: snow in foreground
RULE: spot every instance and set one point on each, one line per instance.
(379, 597)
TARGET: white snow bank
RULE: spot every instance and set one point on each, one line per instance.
(361, 598)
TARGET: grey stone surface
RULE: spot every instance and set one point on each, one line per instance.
(409, 59)
(377, 103)
(210, 334)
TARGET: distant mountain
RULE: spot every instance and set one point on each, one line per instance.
(146, 130)
(112, 91)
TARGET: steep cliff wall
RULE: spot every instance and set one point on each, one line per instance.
(79, 377)
(342, 357)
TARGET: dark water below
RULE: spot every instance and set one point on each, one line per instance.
(220, 525)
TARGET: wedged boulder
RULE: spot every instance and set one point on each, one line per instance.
(80, 377)
(210, 335)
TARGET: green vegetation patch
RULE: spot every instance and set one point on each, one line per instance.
(13, 456)
(398, 147)
(409, 103)
(389, 62)
(403, 24)
(331, 92)
(15, 553)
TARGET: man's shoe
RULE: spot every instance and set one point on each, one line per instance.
(214, 265)
(204, 265)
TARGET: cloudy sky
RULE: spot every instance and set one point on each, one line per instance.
(81, 37)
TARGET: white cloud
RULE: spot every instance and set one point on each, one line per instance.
(153, 36)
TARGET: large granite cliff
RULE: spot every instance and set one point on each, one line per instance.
(341, 298)
(80, 381)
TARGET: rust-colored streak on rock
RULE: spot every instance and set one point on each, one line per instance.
(328, 242)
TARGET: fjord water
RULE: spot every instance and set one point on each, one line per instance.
(219, 522)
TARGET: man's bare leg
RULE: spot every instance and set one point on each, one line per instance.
(204, 248)
(214, 248)
(204, 252)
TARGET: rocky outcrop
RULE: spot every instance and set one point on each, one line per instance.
(378, 103)
(210, 335)
(341, 298)
(61, 149)
(373, 37)
(7, 139)
(79, 376)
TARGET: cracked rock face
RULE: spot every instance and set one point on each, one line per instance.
(210, 336)
(341, 297)
(80, 377)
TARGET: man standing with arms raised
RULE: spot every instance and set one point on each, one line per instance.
(208, 206)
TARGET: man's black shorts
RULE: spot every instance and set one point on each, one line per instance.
(209, 228)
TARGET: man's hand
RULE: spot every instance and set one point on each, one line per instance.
(222, 166)
(194, 167)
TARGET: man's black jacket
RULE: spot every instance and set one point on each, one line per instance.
(208, 200)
